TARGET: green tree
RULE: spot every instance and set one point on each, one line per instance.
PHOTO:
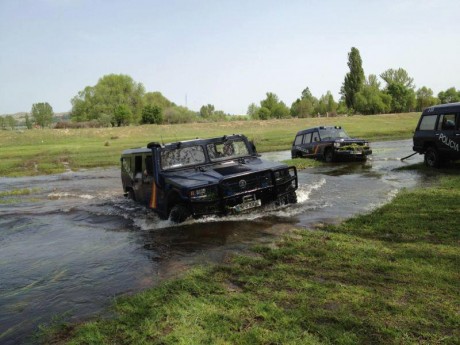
(206, 111)
(156, 98)
(424, 98)
(401, 89)
(10, 122)
(326, 105)
(305, 105)
(276, 108)
(122, 115)
(152, 114)
(270, 102)
(2, 122)
(173, 115)
(280, 111)
(263, 113)
(371, 99)
(28, 122)
(354, 79)
(398, 76)
(42, 113)
(106, 97)
(402, 98)
(252, 111)
(449, 96)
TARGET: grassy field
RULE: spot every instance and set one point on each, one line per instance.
(389, 277)
(38, 152)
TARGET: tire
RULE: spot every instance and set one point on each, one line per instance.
(329, 155)
(292, 198)
(432, 158)
(179, 213)
(131, 194)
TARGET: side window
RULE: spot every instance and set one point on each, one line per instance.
(446, 122)
(149, 165)
(428, 122)
(307, 138)
(137, 164)
(298, 140)
(315, 137)
(126, 164)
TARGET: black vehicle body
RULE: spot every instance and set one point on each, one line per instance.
(205, 176)
(330, 144)
(437, 135)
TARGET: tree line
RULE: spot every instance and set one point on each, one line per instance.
(118, 100)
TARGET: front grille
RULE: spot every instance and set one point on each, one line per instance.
(245, 183)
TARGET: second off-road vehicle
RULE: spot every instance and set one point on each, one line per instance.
(199, 177)
(329, 144)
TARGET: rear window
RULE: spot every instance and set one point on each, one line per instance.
(428, 122)
(298, 140)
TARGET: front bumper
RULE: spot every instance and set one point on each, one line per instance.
(353, 153)
(236, 202)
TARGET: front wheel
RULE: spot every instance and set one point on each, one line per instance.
(432, 158)
(131, 194)
(329, 155)
(292, 198)
(179, 213)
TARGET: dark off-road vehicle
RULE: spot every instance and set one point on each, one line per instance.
(205, 176)
(437, 135)
(329, 144)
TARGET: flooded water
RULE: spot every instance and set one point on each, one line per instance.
(72, 242)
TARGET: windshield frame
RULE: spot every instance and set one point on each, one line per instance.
(333, 134)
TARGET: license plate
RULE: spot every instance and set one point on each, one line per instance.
(247, 205)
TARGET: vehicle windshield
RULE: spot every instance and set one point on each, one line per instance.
(227, 149)
(182, 157)
(332, 133)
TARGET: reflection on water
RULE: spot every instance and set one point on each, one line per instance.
(73, 243)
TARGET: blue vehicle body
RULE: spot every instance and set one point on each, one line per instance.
(205, 176)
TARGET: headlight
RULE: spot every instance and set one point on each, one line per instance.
(198, 193)
(207, 193)
(336, 144)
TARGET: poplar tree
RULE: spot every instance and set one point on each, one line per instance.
(354, 79)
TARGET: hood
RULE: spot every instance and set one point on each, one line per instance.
(201, 176)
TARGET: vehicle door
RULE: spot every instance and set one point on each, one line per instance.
(448, 135)
(297, 146)
(148, 180)
(307, 145)
(315, 144)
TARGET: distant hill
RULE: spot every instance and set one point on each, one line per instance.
(20, 117)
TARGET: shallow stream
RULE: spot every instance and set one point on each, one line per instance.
(74, 242)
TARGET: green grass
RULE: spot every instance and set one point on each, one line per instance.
(47, 151)
(303, 163)
(388, 277)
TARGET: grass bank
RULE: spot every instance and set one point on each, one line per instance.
(47, 151)
(389, 277)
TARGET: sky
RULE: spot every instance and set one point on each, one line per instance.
(228, 53)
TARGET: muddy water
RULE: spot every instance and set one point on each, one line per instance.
(74, 243)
